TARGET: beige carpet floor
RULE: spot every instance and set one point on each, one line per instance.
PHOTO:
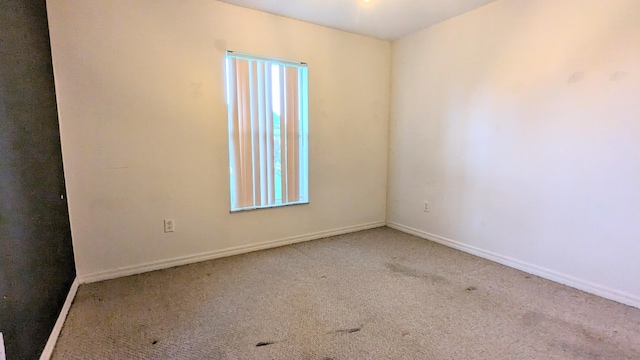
(375, 294)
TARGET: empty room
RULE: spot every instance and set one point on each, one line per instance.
(303, 179)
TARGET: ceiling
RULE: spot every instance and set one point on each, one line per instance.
(382, 19)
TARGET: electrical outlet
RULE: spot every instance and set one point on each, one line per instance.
(426, 206)
(3, 355)
(169, 225)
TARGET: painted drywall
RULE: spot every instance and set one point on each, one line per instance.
(143, 121)
(36, 254)
(519, 123)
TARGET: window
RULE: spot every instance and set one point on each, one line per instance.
(268, 131)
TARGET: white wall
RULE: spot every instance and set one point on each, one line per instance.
(144, 130)
(520, 123)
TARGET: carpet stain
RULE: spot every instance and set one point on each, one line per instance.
(583, 343)
(531, 318)
(265, 343)
(346, 331)
(409, 271)
(471, 288)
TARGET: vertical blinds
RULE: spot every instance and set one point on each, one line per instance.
(267, 131)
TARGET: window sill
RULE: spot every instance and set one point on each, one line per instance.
(268, 207)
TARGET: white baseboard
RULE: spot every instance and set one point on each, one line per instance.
(53, 338)
(184, 260)
(580, 284)
(3, 355)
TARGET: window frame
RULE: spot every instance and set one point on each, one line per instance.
(303, 133)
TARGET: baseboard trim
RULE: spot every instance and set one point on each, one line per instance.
(190, 259)
(580, 284)
(57, 328)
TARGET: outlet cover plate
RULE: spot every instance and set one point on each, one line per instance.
(169, 226)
